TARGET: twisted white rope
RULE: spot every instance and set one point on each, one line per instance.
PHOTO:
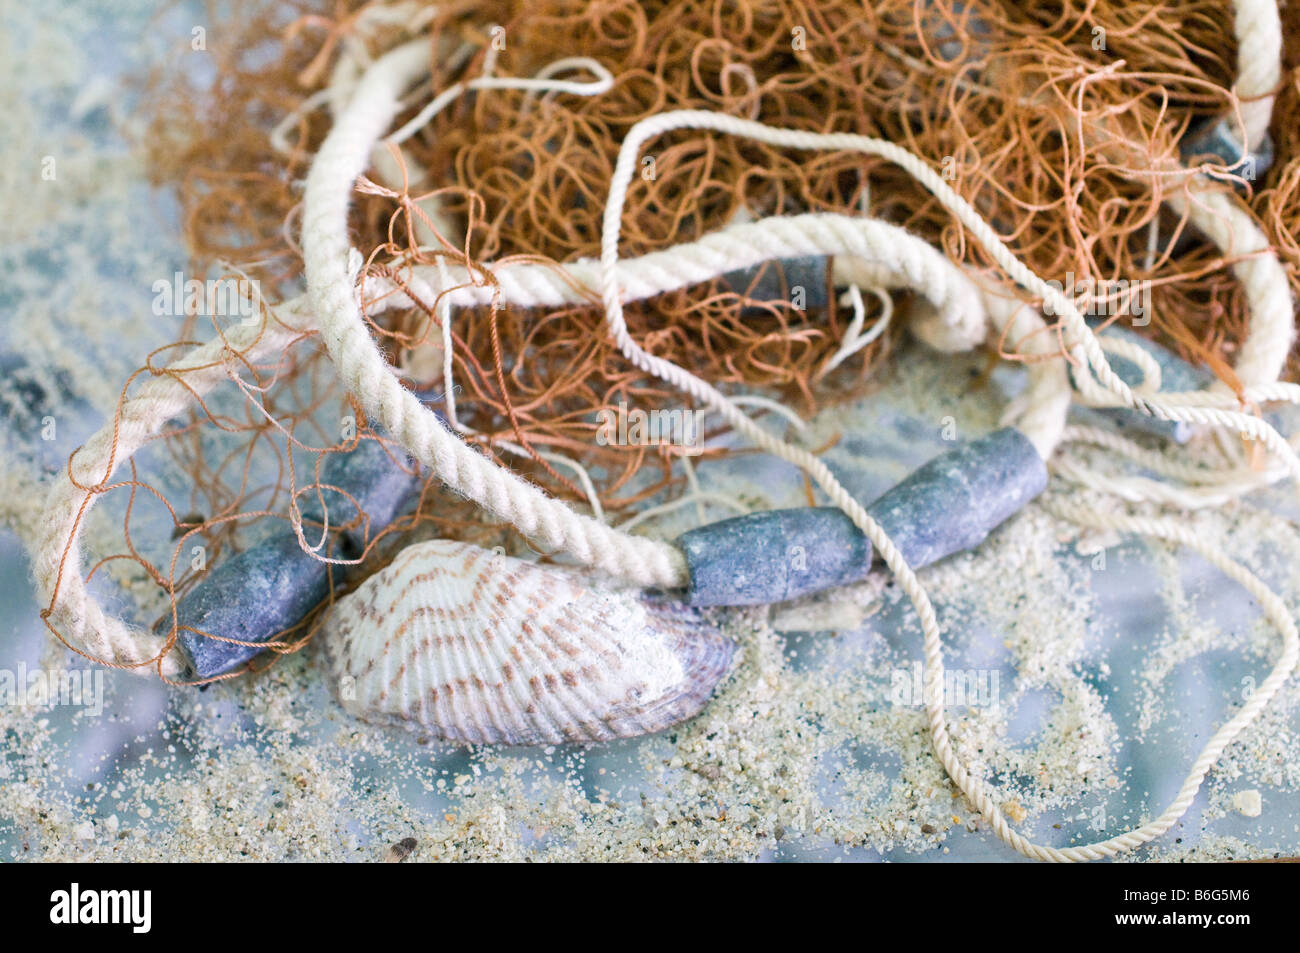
(866, 252)
(1262, 357)
(1040, 411)
(544, 82)
(854, 338)
(1135, 353)
(57, 559)
(342, 157)
(1269, 302)
(1136, 489)
(1160, 461)
(88, 628)
(1258, 27)
(1275, 611)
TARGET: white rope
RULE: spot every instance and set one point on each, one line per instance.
(79, 617)
(1136, 489)
(854, 340)
(545, 82)
(1261, 357)
(1210, 486)
(1270, 306)
(449, 390)
(1275, 611)
(1040, 411)
(866, 252)
(74, 613)
(771, 406)
(1135, 353)
(1160, 461)
(695, 496)
(1258, 26)
(57, 554)
(331, 287)
(1260, 361)
(1270, 324)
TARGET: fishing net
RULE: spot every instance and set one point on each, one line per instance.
(1047, 117)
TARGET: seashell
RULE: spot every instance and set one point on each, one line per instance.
(482, 648)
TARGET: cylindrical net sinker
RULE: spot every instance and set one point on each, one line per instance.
(949, 504)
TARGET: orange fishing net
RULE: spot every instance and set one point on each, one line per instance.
(1044, 115)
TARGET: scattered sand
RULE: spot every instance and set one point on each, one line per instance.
(1248, 803)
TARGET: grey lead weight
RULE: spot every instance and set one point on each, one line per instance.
(251, 596)
(949, 504)
(773, 556)
(379, 479)
(1218, 138)
(954, 501)
(777, 280)
(272, 585)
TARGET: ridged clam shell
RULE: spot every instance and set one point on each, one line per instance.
(478, 647)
